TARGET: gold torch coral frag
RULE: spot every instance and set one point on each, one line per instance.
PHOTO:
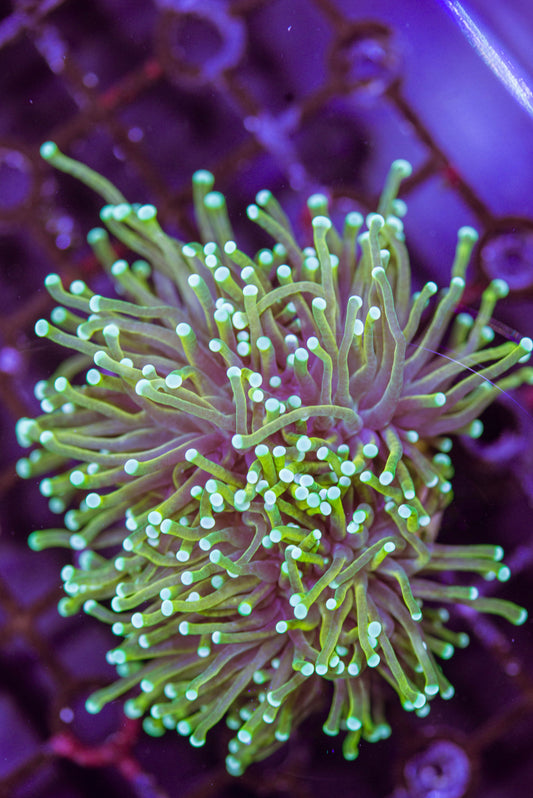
(253, 462)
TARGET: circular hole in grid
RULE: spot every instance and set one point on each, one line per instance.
(368, 58)
(442, 769)
(197, 44)
(506, 253)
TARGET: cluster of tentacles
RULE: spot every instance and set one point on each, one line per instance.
(252, 460)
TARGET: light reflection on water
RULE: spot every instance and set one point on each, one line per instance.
(493, 53)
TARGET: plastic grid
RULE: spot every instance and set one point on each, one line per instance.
(296, 96)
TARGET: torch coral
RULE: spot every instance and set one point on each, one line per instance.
(252, 454)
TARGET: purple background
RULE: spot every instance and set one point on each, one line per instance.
(295, 96)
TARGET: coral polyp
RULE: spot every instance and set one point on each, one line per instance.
(252, 456)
